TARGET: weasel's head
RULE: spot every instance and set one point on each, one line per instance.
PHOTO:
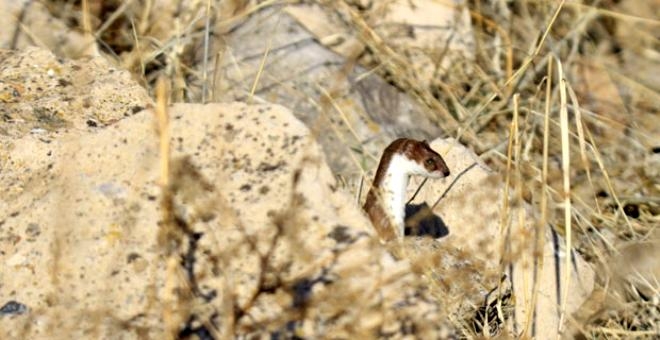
(417, 158)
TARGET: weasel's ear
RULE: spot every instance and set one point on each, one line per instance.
(425, 142)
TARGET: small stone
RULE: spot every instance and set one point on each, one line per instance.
(13, 308)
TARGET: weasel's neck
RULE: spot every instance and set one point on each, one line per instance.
(393, 188)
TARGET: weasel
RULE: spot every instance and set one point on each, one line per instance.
(386, 200)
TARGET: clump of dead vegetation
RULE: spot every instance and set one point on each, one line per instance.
(560, 98)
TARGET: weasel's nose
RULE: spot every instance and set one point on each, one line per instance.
(445, 171)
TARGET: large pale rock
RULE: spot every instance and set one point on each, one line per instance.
(499, 241)
(264, 242)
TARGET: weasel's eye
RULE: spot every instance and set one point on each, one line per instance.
(429, 161)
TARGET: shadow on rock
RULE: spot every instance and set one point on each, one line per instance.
(421, 221)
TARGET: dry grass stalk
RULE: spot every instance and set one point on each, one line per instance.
(566, 169)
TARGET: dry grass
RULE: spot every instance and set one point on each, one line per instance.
(553, 100)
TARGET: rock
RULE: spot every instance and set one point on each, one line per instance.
(264, 240)
(317, 65)
(626, 288)
(30, 23)
(350, 103)
(414, 30)
(13, 307)
(494, 244)
(43, 94)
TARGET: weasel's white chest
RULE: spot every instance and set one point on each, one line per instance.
(394, 188)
